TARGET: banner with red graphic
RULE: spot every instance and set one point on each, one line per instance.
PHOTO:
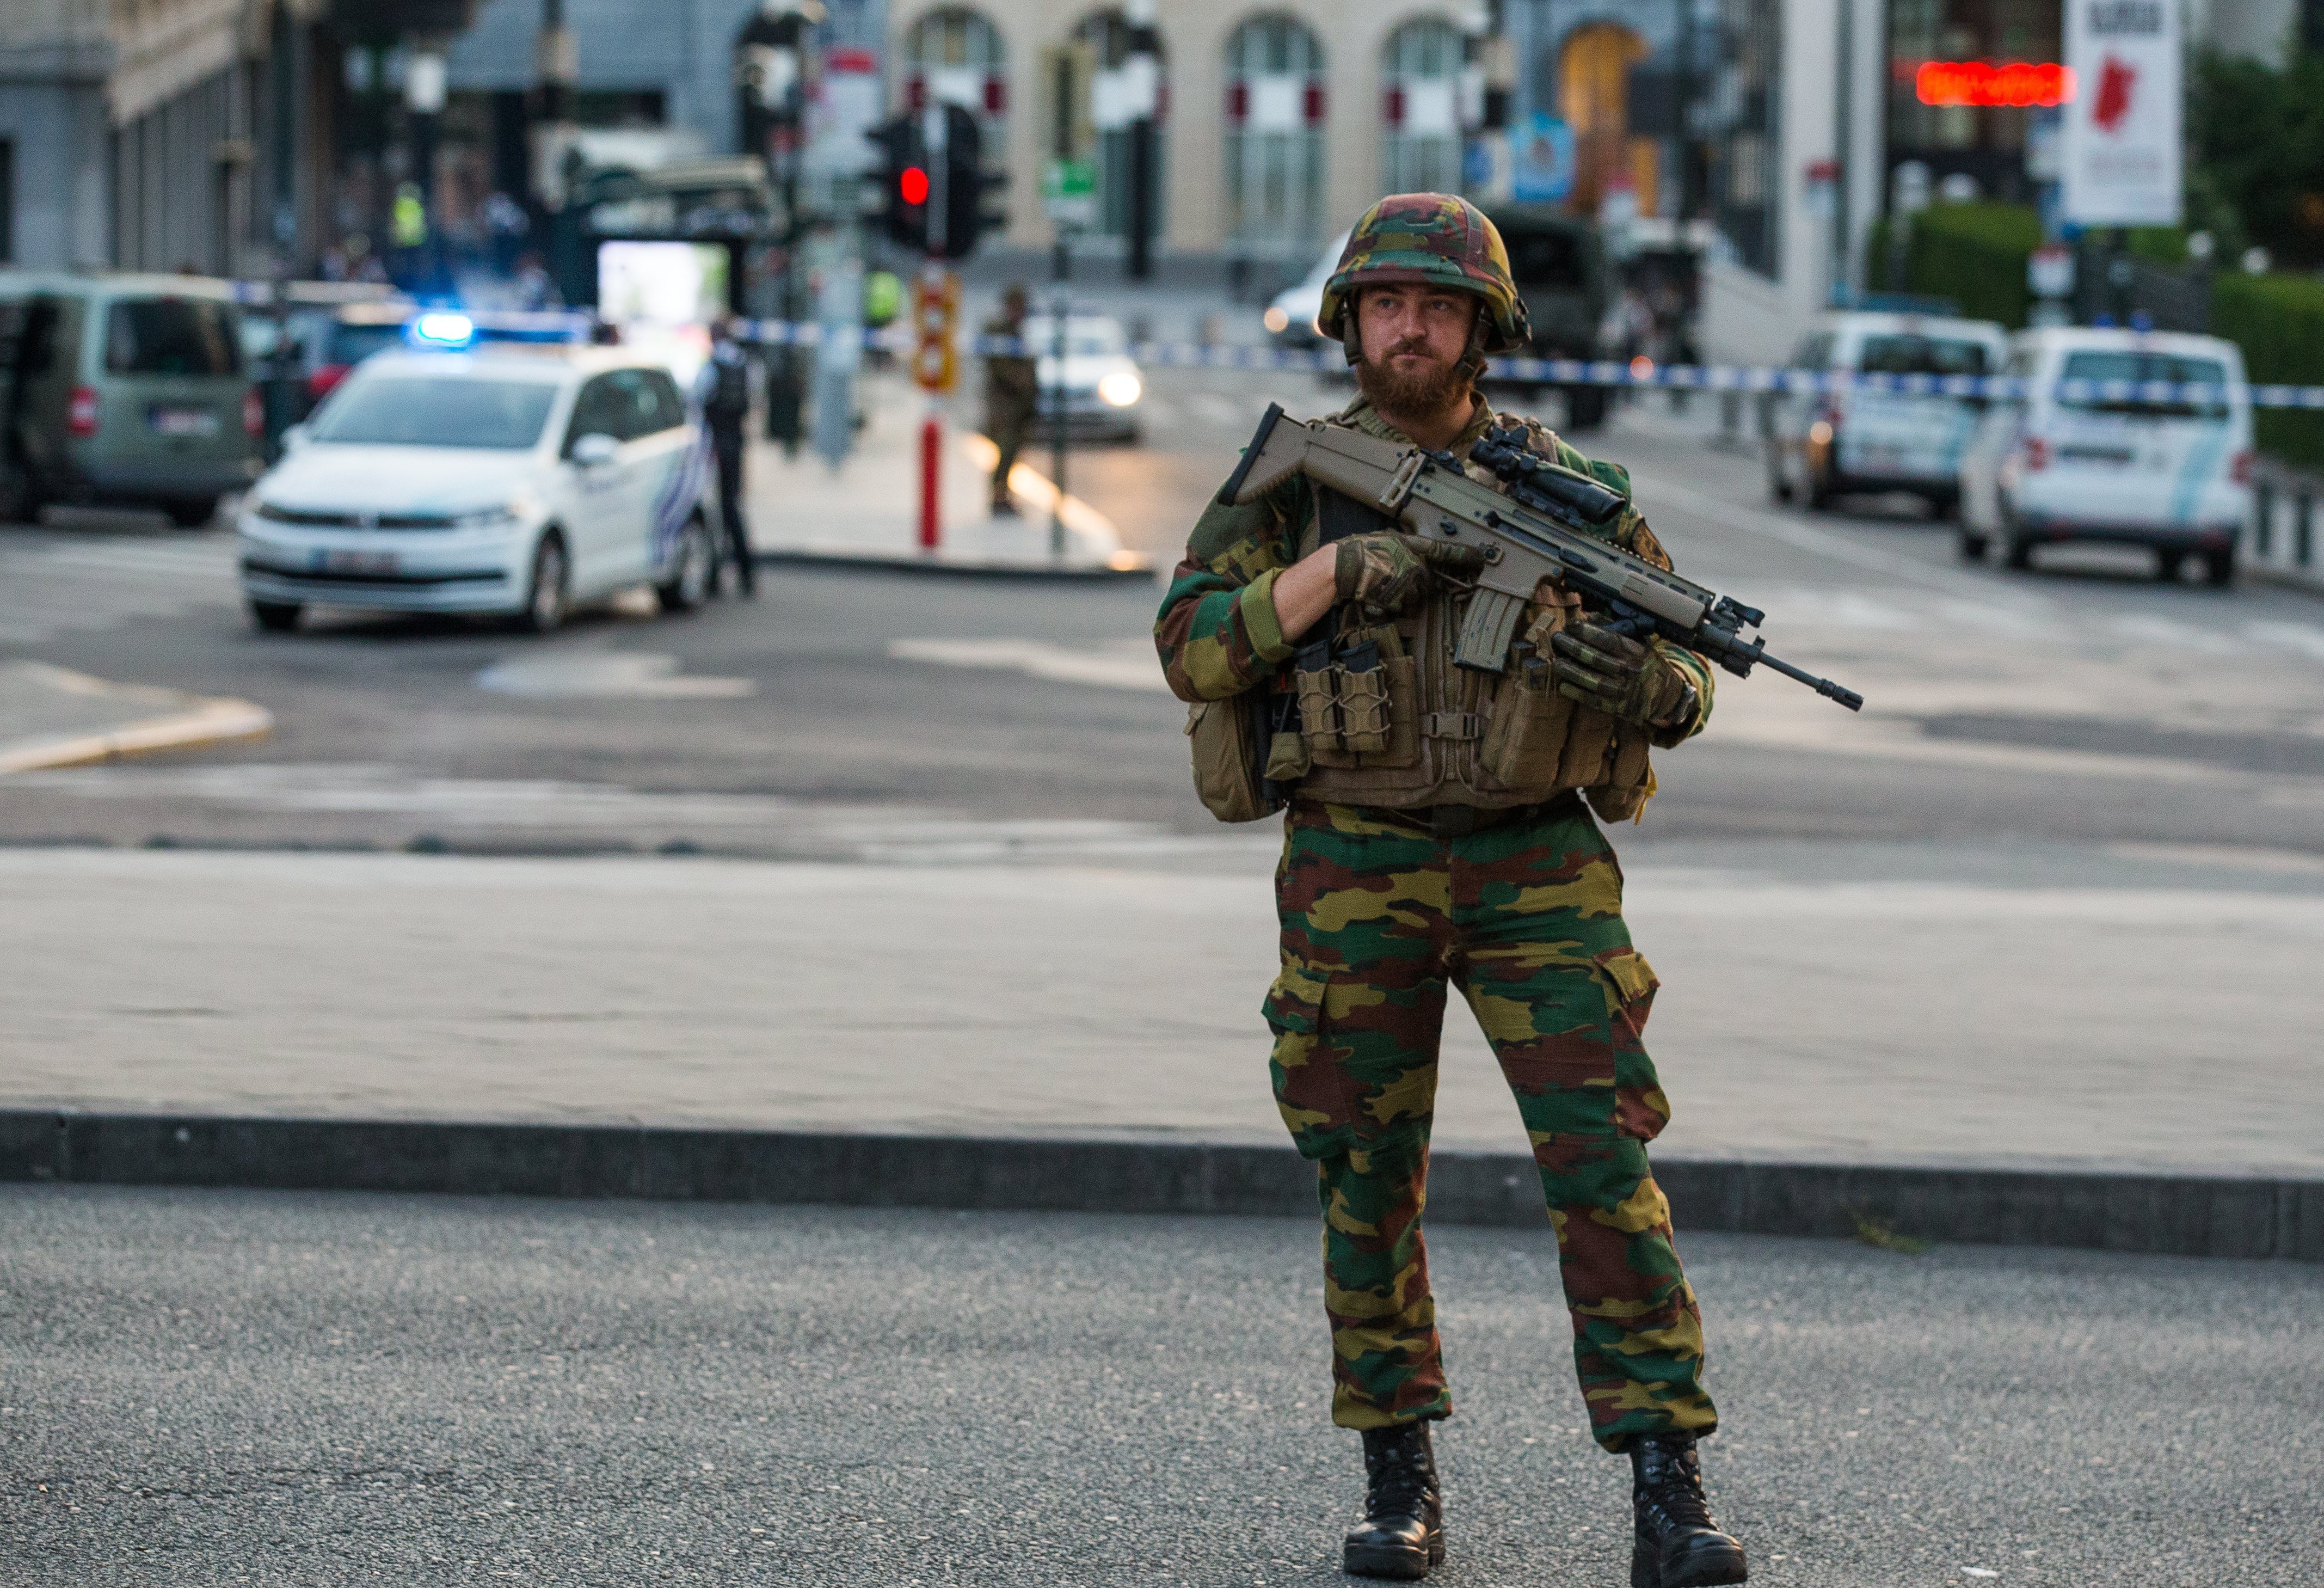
(2121, 145)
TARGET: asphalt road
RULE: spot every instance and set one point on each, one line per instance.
(2082, 704)
(228, 1387)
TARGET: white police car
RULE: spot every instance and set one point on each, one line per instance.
(1859, 438)
(520, 480)
(2136, 437)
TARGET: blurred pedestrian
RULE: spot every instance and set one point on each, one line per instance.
(534, 289)
(1012, 394)
(723, 389)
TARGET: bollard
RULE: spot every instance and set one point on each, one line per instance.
(931, 455)
(2263, 519)
(2303, 527)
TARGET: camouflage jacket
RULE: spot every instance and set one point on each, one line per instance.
(1217, 631)
(1011, 379)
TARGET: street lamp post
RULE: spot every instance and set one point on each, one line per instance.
(423, 97)
(557, 65)
(1142, 71)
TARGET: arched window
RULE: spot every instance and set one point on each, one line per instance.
(953, 56)
(1115, 99)
(1275, 142)
(1420, 77)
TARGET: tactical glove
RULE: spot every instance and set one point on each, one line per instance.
(1382, 572)
(1618, 675)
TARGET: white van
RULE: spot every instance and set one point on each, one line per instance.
(2121, 459)
(1820, 446)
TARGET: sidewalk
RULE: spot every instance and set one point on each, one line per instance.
(867, 510)
(51, 716)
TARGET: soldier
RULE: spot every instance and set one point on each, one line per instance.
(1012, 396)
(1454, 845)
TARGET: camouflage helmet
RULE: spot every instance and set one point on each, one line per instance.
(1434, 238)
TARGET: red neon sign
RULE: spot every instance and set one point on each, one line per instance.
(1980, 82)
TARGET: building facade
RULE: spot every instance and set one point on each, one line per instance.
(1277, 122)
(163, 135)
(1838, 80)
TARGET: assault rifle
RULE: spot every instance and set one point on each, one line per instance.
(1540, 530)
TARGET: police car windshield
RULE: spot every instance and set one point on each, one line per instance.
(2175, 368)
(1920, 355)
(436, 411)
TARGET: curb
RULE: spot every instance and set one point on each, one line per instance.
(870, 561)
(208, 721)
(2183, 1215)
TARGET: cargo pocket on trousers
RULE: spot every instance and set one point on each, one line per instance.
(1310, 1090)
(1641, 1109)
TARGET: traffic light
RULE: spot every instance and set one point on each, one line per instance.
(904, 182)
(933, 182)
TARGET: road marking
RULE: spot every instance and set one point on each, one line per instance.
(606, 675)
(2296, 637)
(1823, 542)
(2171, 630)
(1122, 664)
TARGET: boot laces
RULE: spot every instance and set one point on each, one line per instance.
(1399, 1487)
(1674, 1487)
(1399, 1479)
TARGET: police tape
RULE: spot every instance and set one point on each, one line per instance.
(1641, 373)
(1637, 373)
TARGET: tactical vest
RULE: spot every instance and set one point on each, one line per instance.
(1377, 713)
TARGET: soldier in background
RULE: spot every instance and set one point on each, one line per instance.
(723, 389)
(1446, 843)
(1012, 395)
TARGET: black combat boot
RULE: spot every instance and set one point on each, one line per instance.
(1402, 1534)
(1678, 1546)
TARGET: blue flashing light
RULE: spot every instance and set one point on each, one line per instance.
(444, 330)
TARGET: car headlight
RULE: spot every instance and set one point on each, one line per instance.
(1119, 389)
(484, 518)
(1275, 320)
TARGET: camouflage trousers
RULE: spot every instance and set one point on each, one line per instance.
(1526, 918)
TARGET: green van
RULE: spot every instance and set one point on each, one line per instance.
(123, 389)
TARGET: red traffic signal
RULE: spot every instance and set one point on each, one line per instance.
(912, 187)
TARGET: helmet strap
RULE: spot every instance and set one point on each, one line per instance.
(1472, 361)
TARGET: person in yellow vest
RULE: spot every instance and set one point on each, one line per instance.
(1448, 850)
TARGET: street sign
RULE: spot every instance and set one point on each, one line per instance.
(1069, 191)
(1543, 165)
(2120, 164)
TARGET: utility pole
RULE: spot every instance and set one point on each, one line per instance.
(1688, 194)
(1142, 73)
(557, 66)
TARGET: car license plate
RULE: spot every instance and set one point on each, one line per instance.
(182, 421)
(355, 562)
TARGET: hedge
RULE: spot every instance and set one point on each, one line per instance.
(1973, 253)
(2278, 320)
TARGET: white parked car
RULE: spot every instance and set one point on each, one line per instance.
(1290, 317)
(2117, 463)
(1820, 446)
(1103, 382)
(516, 480)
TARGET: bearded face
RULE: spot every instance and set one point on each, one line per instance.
(1414, 339)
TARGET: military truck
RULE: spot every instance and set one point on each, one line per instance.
(1564, 276)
